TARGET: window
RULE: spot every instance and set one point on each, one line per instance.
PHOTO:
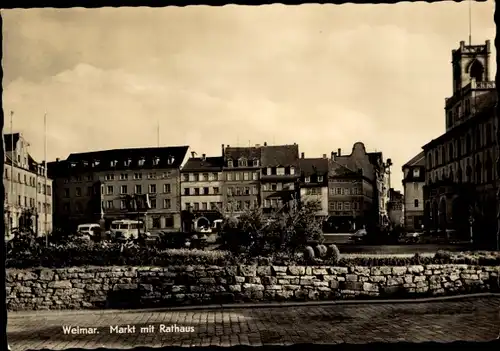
(49, 190)
(78, 191)
(123, 204)
(156, 161)
(152, 203)
(280, 171)
(215, 176)
(292, 170)
(256, 163)
(156, 222)
(167, 174)
(247, 205)
(338, 191)
(109, 190)
(254, 190)
(109, 177)
(197, 191)
(246, 176)
(230, 163)
(267, 203)
(206, 191)
(320, 179)
(213, 206)
(166, 188)
(109, 204)
(169, 221)
(347, 206)
(141, 162)
(229, 177)
(274, 187)
(216, 190)
(236, 176)
(66, 192)
(238, 191)
(196, 206)
(204, 177)
(137, 175)
(185, 177)
(255, 176)
(415, 203)
(123, 176)
(90, 177)
(247, 190)
(415, 186)
(151, 176)
(123, 189)
(242, 163)
(449, 120)
(187, 206)
(186, 191)
(307, 179)
(279, 186)
(167, 203)
(25, 179)
(347, 191)
(19, 177)
(25, 201)
(416, 172)
(204, 206)
(196, 177)
(230, 191)
(152, 188)
(138, 189)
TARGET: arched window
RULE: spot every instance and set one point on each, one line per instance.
(429, 160)
(436, 161)
(478, 138)
(449, 121)
(468, 144)
(468, 173)
(476, 71)
(479, 170)
(489, 169)
(459, 147)
(450, 151)
(459, 175)
(488, 134)
(467, 107)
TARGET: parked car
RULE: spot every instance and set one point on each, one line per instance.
(359, 236)
(412, 237)
(90, 229)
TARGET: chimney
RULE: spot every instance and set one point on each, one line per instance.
(324, 155)
(257, 145)
(223, 149)
(203, 157)
(302, 155)
(333, 156)
(192, 154)
(339, 152)
(57, 159)
(265, 143)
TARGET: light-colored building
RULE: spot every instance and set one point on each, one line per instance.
(413, 188)
(314, 182)
(461, 179)
(26, 189)
(395, 208)
(201, 191)
(95, 185)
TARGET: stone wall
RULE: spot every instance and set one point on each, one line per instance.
(131, 287)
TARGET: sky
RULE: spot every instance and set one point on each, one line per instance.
(322, 76)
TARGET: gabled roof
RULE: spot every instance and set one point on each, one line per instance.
(9, 138)
(235, 153)
(418, 160)
(200, 164)
(310, 166)
(280, 156)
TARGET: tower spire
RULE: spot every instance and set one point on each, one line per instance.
(470, 22)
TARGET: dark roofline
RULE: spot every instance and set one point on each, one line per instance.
(415, 159)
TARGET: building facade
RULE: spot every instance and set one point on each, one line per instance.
(241, 174)
(395, 208)
(201, 191)
(314, 182)
(27, 191)
(97, 185)
(351, 191)
(413, 187)
(461, 179)
(279, 177)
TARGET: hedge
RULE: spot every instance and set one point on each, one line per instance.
(120, 255)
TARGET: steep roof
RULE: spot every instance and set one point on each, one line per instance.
(280, 155)
(236, 153)
(9, 139)
(418, 160)
(207, 164)
(310, 166)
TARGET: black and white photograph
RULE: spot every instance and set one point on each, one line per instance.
(207, 176)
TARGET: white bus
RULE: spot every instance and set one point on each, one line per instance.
(125, 229)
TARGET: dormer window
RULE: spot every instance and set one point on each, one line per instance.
(141, 161)
(320, 179)
(156, 161)
(281, 171)
(113, 163)
(230, 163)
(85, 164)
(416, 172)
(95, 163)
(292, 170)
(73, 164)
(242, 162)
(307, 179)
(171, 160)
(127, 162)
(256, 163)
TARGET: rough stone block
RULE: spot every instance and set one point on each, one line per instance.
(378, 279)
(253, 287)
(415, 269)
(319, 271)
(248, 271)
(280, 270)
(338, 270)
(399, 270)
(370, 287)
(60, 284)
(350, 285)
(263, 271)
(297, 270)
(351, 278)
(269, 280)
(254, 280)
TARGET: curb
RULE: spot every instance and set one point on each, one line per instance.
(237, 306)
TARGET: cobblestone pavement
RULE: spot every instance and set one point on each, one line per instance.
(445, 321)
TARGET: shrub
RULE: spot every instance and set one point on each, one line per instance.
(442, 255)
(309, 254)
(320, 251)
(333, 253)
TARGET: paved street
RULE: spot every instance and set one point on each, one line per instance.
(468, 320)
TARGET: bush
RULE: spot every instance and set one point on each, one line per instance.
(333, 253)
(309, 254)
(320, 251)
(442, 255)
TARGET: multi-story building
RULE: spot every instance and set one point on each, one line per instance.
(94, 185)
(314, 182)
(27, 191)
(201, 194)
(241, 173)
(461, 179)
(413, 188)
(280, 177)
(395, 208)
(382, 178)
(351, 190)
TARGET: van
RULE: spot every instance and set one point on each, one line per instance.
(90, 229)
(125, 229)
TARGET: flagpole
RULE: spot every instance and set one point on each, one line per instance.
(45, 176)
(158, 133)
(12, 199)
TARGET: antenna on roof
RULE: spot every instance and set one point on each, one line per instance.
(249, 144)
(470, 22)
